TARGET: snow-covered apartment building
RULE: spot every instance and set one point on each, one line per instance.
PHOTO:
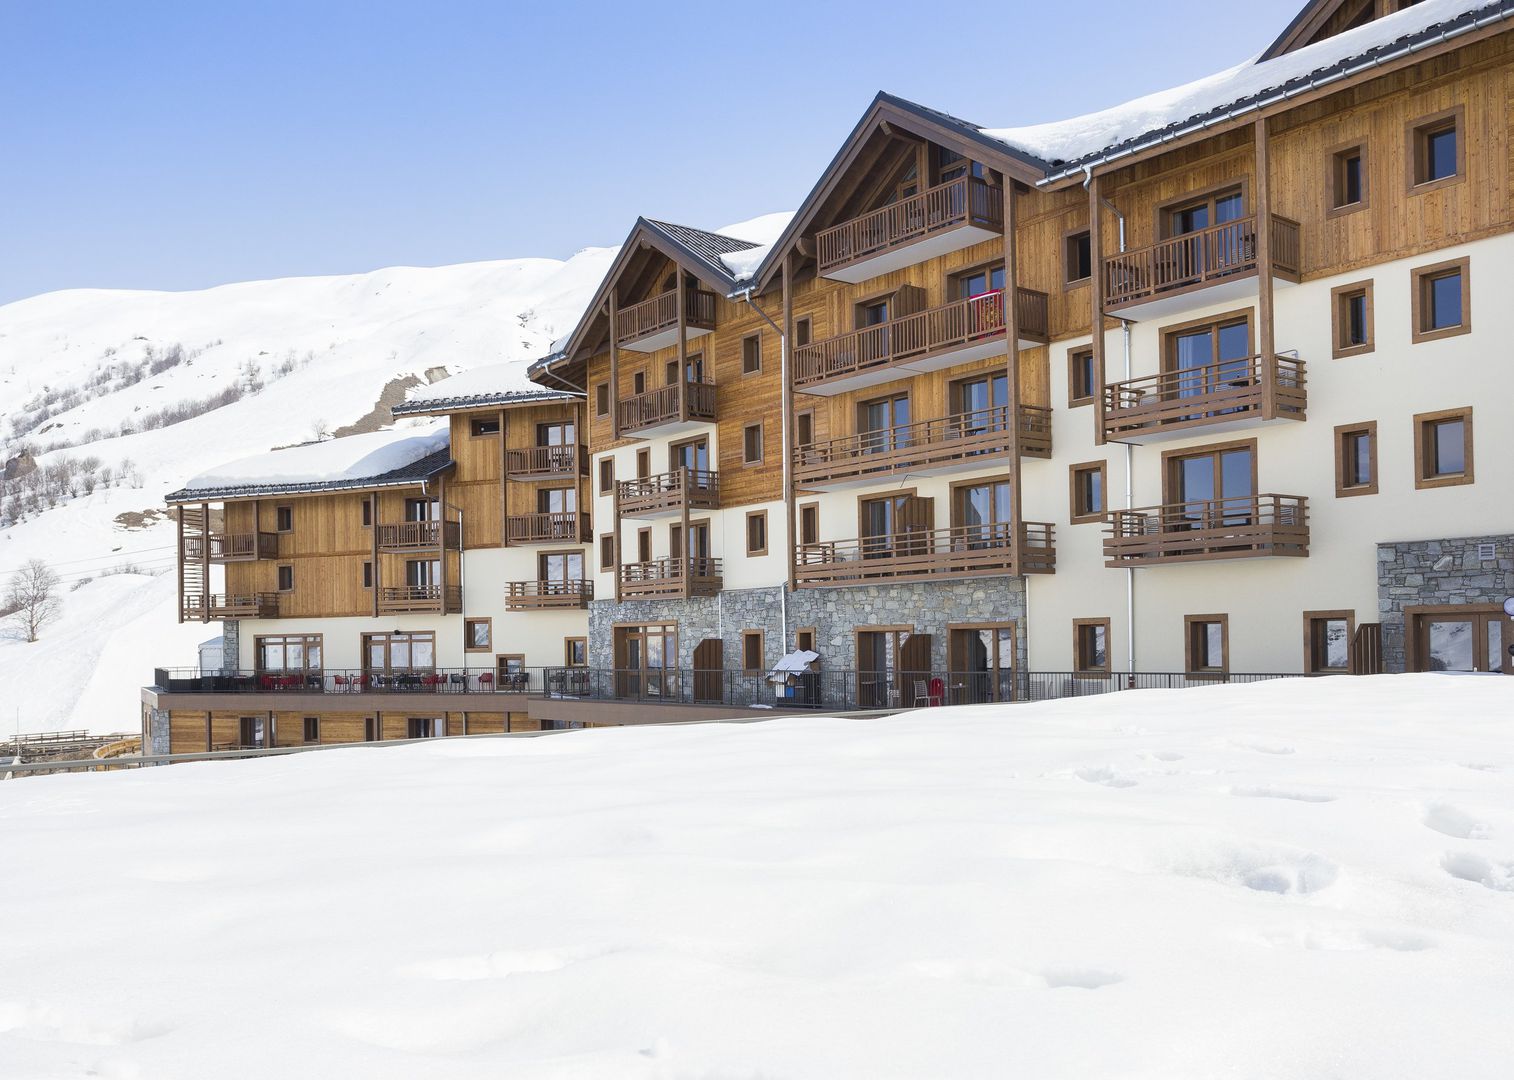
(1188, 389)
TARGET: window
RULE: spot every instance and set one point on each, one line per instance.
(251, 733)
(639, 383)
(1215, 485)
(1082, 383)
(510, 670)
(804, 639)
(751, 444)
(557, 433)
(477, 635)
(804, 429)
(602, 399)
(751, 650)
(1209, 357)
(1443, 448)
(1441, 299)
(367, 575)
(1077, 258)
(312, 729)
(1348, 179)
(483, 425)
(606, 475)
(1351, 315)
(982, 514)
(284, 517)
(751, 354)
(643, 463)
(368, 513)
(1436, 155)
(289, 653)
(399, 651)
(803, 331)
(1196, 214)
(981, 404)
(420, 727)
(693, 455)
(1327, 641)
(576, 651)
(644, 545)
(757, 532)
(422, 573)
(979, 282)
(809, 523)
(422, 510)
(872, 313)
(286, 578)
(557, 500)
(370, 729)
(1090, 644)
(1356, 459)
(1207, 644)
(1087, 484)
(877, 421)
(606, 551)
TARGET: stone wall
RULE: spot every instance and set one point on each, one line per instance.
(231, 642)
(1407, 577)
(157, 732)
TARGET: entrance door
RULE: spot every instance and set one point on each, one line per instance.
(888, 663)
(708, 661)
(982, 664)
(1468, 639)
(645, 659)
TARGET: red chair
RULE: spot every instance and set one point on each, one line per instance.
(486, 681)
(937, 691)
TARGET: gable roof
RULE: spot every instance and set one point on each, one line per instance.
(1310, 20)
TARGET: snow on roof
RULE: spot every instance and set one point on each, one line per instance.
(400, 455)
(1082, 136)
(492, 384)
(743, 264)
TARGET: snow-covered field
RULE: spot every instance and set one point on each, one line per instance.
(1303, 879)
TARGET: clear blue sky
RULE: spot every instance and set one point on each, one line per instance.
(165, 145)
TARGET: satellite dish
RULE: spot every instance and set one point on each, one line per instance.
(1508, 607)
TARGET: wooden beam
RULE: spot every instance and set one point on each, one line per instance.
(614, 368)
(373, 522)
(786, 376)
(1262, 187)
(683, 345)
(179, 518)
(504, 489)
(1096, 294)
(1011, 298)
(205, 557)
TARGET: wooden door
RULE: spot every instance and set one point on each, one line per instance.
(917, 518)
(914, 665)
(708, 662)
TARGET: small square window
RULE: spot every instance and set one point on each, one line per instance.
(312, 731)
(1207, 645)
(286, 578)
(751, 444)
(284, 519)
(1443, 448)
(1087, 491)
(1348, 179)
(757, 533)
(751, 354)
(602, 399)
(751, 650)
(606, 551)
(576, 651)
(804, 639)
(1356, 459)
(1436, 152)
(483, 425)
(1090, 643)
(606, 475)
(1441, 300)
(1351, 317)
(1077, 258)
(1081, 377)
(1327, 642)
(478, 635)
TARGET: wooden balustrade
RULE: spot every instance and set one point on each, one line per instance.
(1222, 392)
(910, 339)
(1203, 530)
(967, 200)
(660, 313)
(962, 551)
(539, 595)
(1197, 259)
(547, 528)
(232, 547)
(697, 575)
(438, 599)
(669, 493)
(207, 606)
(418, 535)
(659, 407)
(546, 462)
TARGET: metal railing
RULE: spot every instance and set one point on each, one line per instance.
(349, 681)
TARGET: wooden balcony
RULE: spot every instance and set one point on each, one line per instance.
(547, 595)
(656, 412)
(232, 547)
(960, 551)
(695, 576)
(669, 494)
(1222, 396)
(205, 607)
(428, 599)
(1211, 266)
(418, 536)
(547, 528)
(939, 220)
(653, 324)
(965, 442)
(942, 337)
(1243, 528)
(547, 462)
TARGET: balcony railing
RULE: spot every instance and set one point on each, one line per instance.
(659, 408)
(695, 576)
(418, 535)
(539, 595)
(206, 606)
(1198, 259)
(670, 493)
(963, 441)
(547, 528)
(659, 315)
(1239, 528)
(435, 599)
(964, 550)
(232, 547)
(547, 462)
(344, 681)
(967, 201)
(925, 341)
(1229, 391)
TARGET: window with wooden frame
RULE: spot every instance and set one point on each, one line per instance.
(607, 551)
(804, 330)
(510, 671)
(483, 425)
(1436, 152)
(1077, 258)
(1351, 319)
(1210, 354)
(1443, 448)
(639, 383)
(312, 732)
(809, 523)
(979, 281)
(1441, 300)
(1087, 484)
(576, 651)
(368, 512)
(751, 354)
(1214, 483)
(1201, 210)
(751, 444)
(286, 578)
(644, 545)
(1327, 642)
(1082, 377)
(478, 635)
(1347, 179)
(752, 649)
(283, 518)
(1206, 645)
(804, 639)
(606, 475)
(757, 532)
(288, 653)
(602, 399)
(643, 463)
(804, 429)
(1090, 645)
(367, 574)
(400, 650)
(1356, 459)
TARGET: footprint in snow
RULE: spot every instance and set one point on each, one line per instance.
(1281, 793)
(1449, 821)
(1106, 776)
(1498, 876)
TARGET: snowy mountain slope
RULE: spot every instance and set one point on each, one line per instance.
(320, 351)
(1300, 880)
